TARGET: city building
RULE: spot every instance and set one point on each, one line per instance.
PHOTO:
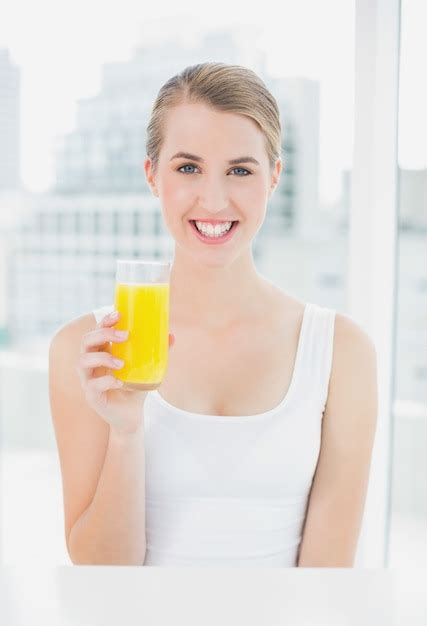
(106, 150)
(412, 205)
(413, 199)
(299, 102)
(10, 123)
(61, 258)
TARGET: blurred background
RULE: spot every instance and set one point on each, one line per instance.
(77, 82)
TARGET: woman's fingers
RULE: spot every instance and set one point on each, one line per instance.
(99, 359)
(92, 355)
(97, 386)
(100, 336)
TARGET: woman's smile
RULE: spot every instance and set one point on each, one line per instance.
(211, 235)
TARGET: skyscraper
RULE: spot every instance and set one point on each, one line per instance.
(10, 123)
(299, 99)
(101, 208)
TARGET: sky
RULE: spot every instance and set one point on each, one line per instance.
(61, 46)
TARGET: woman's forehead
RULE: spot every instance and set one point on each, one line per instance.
(185, 117)
(203, 134)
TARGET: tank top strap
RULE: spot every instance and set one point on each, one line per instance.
(317, 352)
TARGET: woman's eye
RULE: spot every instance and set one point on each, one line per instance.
(241, 169)
(187, 165)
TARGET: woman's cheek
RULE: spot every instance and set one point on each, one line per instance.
(252, 194)
(175, 194)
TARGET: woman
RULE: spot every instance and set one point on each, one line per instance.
(257, 450)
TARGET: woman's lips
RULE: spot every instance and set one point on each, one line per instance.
(214, 240)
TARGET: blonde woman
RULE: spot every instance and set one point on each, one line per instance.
(255, 450)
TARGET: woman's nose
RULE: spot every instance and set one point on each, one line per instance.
(213, 196)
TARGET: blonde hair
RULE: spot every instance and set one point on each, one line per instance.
(231, 88)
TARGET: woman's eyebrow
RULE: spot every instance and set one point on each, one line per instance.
(193, 157)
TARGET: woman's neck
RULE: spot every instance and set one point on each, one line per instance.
(214, 296)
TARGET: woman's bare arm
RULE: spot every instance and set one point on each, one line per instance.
(338, 493)
(103, 473)
(112, 529)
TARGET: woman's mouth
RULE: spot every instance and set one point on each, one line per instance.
(212, 237)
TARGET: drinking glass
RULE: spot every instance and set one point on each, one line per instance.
(142, 298)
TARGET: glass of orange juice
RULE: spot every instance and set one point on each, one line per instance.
(142, 299)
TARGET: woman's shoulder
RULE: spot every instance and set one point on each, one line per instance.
(77, 326)
(286, 304)
(282, 304)
(350, 336)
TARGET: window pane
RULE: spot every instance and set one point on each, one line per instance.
(408, 538)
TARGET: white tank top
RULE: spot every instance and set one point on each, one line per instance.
(233, 491)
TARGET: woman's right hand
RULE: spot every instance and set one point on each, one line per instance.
(121, 408)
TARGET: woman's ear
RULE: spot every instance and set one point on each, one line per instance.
(275, 175)
(150, 176)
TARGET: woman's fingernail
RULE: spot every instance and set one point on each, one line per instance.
(122, 333)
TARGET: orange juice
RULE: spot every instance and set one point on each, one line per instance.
(144, 312)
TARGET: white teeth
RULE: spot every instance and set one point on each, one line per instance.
(213, 231)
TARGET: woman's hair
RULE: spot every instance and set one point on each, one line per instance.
(231, 88)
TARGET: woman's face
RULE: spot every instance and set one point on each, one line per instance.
(195, 179)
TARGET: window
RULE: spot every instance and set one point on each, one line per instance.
(408, 525)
